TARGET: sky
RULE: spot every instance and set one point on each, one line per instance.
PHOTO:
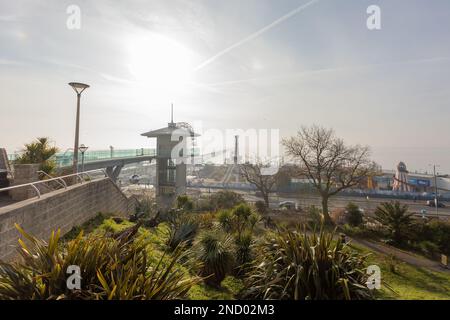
(235, 64)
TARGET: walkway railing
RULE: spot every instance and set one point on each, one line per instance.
(60, 180)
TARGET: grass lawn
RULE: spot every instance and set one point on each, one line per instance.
(408, 282)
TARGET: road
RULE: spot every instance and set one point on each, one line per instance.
(339, 202)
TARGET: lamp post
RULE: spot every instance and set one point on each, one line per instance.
(435, 190)
(78, 88)
(82, 149)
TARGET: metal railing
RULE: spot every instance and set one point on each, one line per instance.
(59, 180)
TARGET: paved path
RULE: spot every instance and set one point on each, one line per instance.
(413, 259)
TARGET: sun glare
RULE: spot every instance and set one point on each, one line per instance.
(160, 62)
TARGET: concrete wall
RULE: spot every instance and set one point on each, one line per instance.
(24, 173)
(61, 209)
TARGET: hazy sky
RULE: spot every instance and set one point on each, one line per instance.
(230, 64)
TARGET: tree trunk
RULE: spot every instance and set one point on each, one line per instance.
(326, 215)
(266, 199)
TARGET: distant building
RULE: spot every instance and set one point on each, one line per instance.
(171, 158)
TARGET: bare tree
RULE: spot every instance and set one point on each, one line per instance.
(330, 165)
(256, 175)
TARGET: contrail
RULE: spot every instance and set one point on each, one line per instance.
(255, 34)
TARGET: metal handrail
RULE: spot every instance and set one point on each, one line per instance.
(38, 193)
(61, 181)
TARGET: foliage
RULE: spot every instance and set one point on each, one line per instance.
(436, 232)
(328, 162)
(241, 218)
(111, 268)
(182, 231)
(86, 227)
(185, 203)
(238, 220)
(216, 253)
(226, 199)
(40, 152)
(145, 208)
(295, 265)
(429, 249)
(315, 216)
(206, 220)
(394, 217)
(261, 207)
(225, 219)
(244, 254)
(353, 214)
(360, 231)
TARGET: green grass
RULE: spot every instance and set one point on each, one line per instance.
(408, 282)
(87, 227)
(230, 287)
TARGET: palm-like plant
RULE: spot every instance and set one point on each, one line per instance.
(295, 265)
(215, 252)
(395, 218)
(111, 268)
(244, 254)
(40, 152)
(182, 231)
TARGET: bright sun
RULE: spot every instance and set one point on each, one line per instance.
(160, 62)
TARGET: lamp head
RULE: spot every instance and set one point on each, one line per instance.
(78, 86)
(82, 148)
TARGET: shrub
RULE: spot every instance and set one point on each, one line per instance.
(39, 151)
(315, 216)
(295, 265)
(429, 249)
(145, 208)
(241, 217)
(438, 232)
(261, 207)
(182, 231)
(216, 253)
(394, 217)
(359, 232)
(206, 220)
(185, 203)
(111, 268)
(225, 219)
(244, 255)
(353, 214)
(226, 199)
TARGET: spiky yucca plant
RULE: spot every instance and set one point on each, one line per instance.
(215, 252)
(111, 268)
(298, 266)
(244, 253)
(182, 231)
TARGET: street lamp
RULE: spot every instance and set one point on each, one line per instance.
(435, 190)
(82, 149)
(79, 88)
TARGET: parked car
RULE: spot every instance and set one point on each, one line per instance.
(431, 203)
(134, 179)
(291, 205)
